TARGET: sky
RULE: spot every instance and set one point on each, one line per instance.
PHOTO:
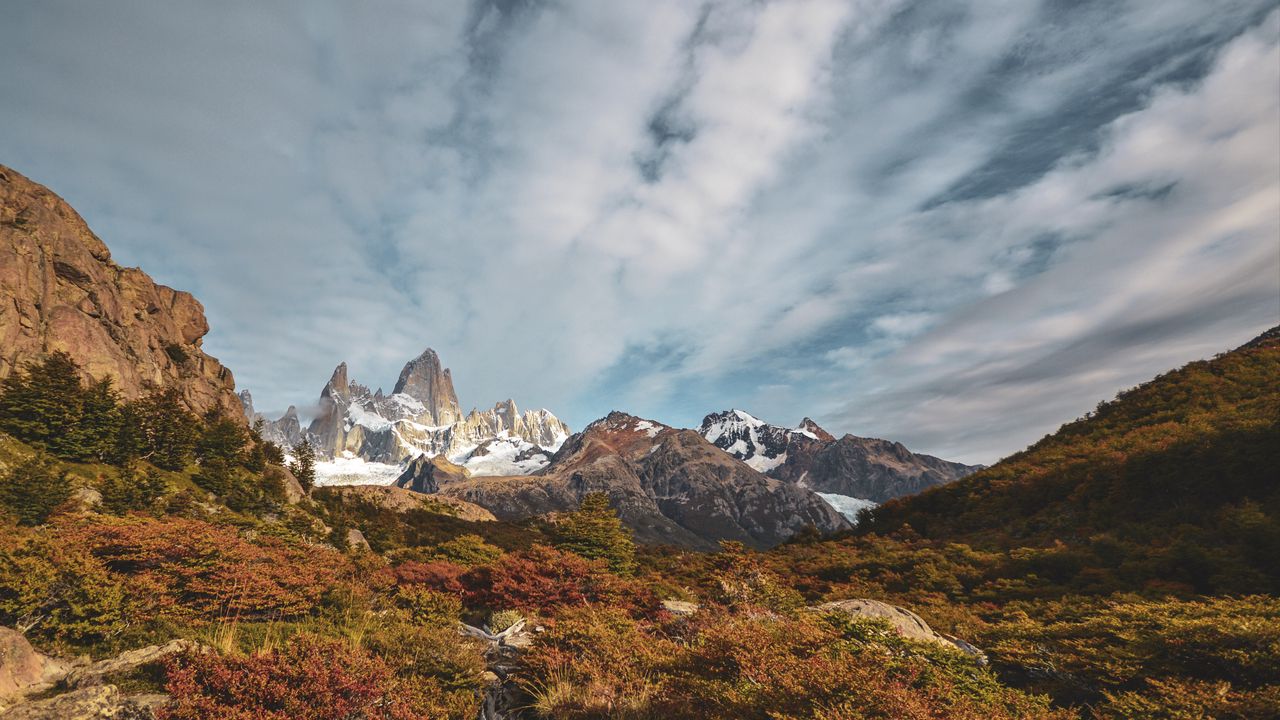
(955, 223)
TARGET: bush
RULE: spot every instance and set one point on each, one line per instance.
(309, 678)
(542, 579)
(57, 591)
(193, 570)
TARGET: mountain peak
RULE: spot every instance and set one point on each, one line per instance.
(426, 380)
(807, 425)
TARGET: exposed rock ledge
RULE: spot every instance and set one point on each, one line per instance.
(34, 686)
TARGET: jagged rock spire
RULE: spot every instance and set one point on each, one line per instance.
(424, 379)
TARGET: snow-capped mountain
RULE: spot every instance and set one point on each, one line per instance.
(754, 441)
(860, 470)
(362, 433)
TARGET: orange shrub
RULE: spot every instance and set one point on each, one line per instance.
(184, 568)
(307, 679)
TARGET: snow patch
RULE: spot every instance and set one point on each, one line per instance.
(763, 463)
(349, 469)
(847, 505)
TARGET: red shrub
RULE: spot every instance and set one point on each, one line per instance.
(308, 679)
(184, 568)
(543, 578)
(440, 575)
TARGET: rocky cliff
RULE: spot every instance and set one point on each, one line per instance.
(857, 467)
(668, 485)
(60, 290)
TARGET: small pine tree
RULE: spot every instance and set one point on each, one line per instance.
(595, 532)
(303, 466)
(42, 405)
(100, 420)
(34, 488)
(158, 428)
(255, 455)
(223, 439)
(130, 489)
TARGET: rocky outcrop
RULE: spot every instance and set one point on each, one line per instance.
(400, 500)
(426, 474)
(857, 467)
(23, 669)
(905, 622)
(36, 687)
(60, 290)
(668, 485)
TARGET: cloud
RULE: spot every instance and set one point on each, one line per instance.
(898, 216)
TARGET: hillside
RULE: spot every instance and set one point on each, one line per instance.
(1185, 465)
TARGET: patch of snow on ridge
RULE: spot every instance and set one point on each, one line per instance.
(651, 429)
(501, 459)
(762, 463)
(352, 470)
(846, 505)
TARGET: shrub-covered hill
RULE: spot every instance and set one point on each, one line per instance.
(125, 525)
(1182, 471)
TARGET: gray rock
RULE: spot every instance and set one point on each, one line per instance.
(907, 623)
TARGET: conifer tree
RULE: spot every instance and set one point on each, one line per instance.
(222, 440)
(131, 489)
(34, 488)
(42, 405)
(161, 430)
(595, 532)
(100, 420)
(303, 466)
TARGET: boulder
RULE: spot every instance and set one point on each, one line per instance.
(907, 623)
(88, 703)
(125, 662)
(24, 669)
(680, 607)
(356, 541)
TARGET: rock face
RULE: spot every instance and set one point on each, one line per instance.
(421, 417)
(77, 688)
(857, 467)
(424, 380)
(668, 485)
(60, 290)
(426, 474)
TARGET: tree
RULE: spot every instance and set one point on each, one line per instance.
(158, 428)
(303, 466)
(100, 420)
(595, 532)
(222, 440)
(130, 489)
(42, 405)
(34, 488)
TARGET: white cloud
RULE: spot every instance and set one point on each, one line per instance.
(672, 206)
